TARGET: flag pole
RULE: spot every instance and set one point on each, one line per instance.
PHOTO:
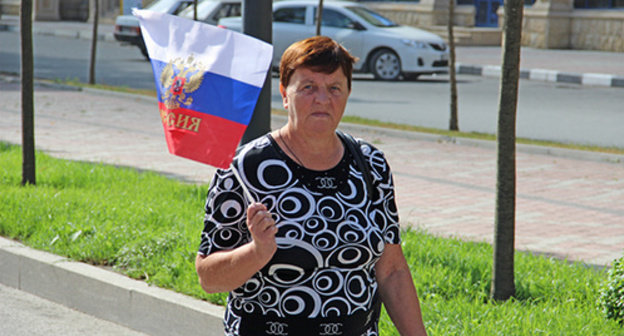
(240, 181)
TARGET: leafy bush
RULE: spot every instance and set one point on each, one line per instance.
(612, 295)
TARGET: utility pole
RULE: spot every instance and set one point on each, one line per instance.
(258, 22)
(28, 108)
(319, 18)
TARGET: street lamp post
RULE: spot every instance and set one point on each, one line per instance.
(257, 22)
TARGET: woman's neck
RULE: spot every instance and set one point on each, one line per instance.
(316, 151)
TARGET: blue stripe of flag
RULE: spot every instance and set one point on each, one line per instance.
(217, 95)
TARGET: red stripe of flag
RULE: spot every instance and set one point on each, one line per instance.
(200, 136)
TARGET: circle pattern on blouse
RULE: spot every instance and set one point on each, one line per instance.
(328, 240)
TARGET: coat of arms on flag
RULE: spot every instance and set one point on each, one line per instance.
(208, 80)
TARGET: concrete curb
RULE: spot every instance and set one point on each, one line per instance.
(521, 148)
(105, 294)
(61, 32)
(78, 34)
(589, 79)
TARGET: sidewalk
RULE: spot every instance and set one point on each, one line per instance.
(598, 68)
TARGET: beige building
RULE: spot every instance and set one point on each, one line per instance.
(56, 10)
(551, 24)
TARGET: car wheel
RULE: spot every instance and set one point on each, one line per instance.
(385, 65)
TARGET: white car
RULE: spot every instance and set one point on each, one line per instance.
(128, 30)
(211, 11)
(384, 48)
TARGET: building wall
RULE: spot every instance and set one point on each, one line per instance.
(425, 14)
(548, 24)
(597, 30)
(55, 10)
(584, 29)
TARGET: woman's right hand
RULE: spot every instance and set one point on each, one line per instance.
(262, 227)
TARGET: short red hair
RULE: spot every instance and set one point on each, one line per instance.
(318, 53)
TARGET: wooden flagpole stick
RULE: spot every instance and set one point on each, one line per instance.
(240, 181)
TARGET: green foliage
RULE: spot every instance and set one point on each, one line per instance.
(142, 224)
(612, 294)
(148, 227)
(553, 297)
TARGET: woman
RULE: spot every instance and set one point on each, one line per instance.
(313, 254)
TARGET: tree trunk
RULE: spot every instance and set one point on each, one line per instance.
(319, 17)
(453, 122)
(96, 17)
(503, 283)
(195, 10)
(28, 110)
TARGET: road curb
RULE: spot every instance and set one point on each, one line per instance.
(574, 154)
(589, 79)
(106, 294)
(489, 144)
(71, 33)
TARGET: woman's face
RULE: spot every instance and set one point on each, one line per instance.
(315, 101)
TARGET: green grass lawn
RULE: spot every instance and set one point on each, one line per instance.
(148, 226)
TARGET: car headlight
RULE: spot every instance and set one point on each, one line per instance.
(415, 44)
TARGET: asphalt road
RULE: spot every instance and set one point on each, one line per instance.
(559, 112)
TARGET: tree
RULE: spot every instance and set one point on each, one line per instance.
(195, 9)
(503, 283)
(96, 15)
(453, 123)
(28, 113)
(319, 17)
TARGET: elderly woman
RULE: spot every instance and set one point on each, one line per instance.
(314, 253)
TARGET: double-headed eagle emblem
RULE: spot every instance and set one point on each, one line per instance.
(180, 78)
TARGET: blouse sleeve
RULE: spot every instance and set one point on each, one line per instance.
(225, 225)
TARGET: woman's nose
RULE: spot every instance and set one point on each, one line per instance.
(322, 95)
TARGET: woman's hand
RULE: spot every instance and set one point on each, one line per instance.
(227, 270)
(262, 227)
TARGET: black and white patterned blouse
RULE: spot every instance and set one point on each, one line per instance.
(321, 280)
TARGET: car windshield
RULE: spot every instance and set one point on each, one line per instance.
(162, 6)
(371, 17)
(203, 9)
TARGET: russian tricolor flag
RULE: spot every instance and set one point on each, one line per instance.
(208, 80)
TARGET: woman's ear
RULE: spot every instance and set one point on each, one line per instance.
(282, 90)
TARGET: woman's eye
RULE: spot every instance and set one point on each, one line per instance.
(336, 89)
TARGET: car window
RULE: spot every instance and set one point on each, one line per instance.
(290, 15)
(371, 17)
(181, 7)
(227, 10)
(332, 18)
(162, 6)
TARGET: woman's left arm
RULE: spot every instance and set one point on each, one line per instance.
(398, 293)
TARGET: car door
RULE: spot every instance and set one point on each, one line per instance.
(343, 29)
(290, 24)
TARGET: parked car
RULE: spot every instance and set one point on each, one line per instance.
(384, 48)
(128, 30)
(211, 11)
